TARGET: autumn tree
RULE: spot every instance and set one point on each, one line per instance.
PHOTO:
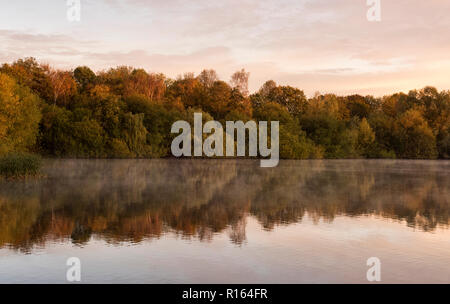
(293, 141)
(207, 78)
(63, 86)
(262, 96)
(185, 88)
(116, 79)
(293, 99)
(140, 82)
(357, 106)
(19, 116)
(134, 133)
(323, 123)
(239, 81)
(415, 137)
(29, 73)
(267, 88)
(366, 138)
(84, 77)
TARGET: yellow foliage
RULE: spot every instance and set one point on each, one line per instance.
(19, 116)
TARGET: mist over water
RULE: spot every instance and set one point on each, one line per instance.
(202, 221)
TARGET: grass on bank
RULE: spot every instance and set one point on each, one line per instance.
(20, 165)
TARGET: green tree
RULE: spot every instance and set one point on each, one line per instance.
(366, 138)
(56, 132)
(293, 99)
(29, 73)
(323, 123)
(19, 116)
(84, 77)
(134, 133)
(293, 141)
(415, 137)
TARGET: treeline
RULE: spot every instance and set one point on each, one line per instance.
(126, 112)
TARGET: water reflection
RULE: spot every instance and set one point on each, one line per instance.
(133, 200)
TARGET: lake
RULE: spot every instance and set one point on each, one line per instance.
(228, 221)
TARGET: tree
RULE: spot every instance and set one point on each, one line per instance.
(106, 109)
(84, 77)
(157, 120)
(262, 96)
(443, 144)
(29, 73)
(207, 78)
(63, 86)
(415, 137)
(293, 141)
(385, 142)
(435, 107)
(366, 138)
(239, 81)
(19, 116)
(56, 132)
(187, 89)
(89, 139)
(293, 99)
(357, 106)
(116, 79)
(140, 82)
(267, 88)
(134, 133)
(324, 124)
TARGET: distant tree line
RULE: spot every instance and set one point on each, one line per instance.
(126, 112)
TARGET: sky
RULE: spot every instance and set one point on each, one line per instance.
(326, 46)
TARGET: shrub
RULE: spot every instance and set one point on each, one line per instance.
(20, 165)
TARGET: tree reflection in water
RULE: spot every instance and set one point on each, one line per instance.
(133, 200)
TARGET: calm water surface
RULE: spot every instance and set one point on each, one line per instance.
(228, 221)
